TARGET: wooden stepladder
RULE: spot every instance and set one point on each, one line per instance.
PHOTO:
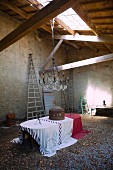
(70, 93)
(35, 106)
(64, 100)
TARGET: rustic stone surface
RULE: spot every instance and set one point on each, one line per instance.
(14, 68)
(93, 152)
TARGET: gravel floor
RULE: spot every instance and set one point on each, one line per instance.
(93, 152)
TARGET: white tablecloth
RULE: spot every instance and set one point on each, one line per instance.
(50, 135)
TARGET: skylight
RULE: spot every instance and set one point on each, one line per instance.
(69, 17)
(74, 21)
(44, 2)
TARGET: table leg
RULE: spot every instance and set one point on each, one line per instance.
(23, 136)
(29, 138)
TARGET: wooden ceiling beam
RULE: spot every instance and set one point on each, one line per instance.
(35, 3)
(60, 22)
(86, 62)
(72, 32)
(85, 38)
(50, 11)
(89, 44)
(86, 19)
(66, 41)
(26, 16)
(14, 8)
(48, 29)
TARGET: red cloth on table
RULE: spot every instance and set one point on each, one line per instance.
(78, 131)
(77, 122)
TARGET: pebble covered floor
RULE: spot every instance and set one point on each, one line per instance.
(92, 152)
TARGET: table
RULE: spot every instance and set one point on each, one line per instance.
(104, 111)
(101, 110)
(49, 134)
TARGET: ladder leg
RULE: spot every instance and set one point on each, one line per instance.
(35, 105)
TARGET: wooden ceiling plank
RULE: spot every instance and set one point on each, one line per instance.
(46, 28)
(90, 2)
(99, 10)
(37, 20)
(86, 62)
(66, 41)
(14, 8)
(104, 23)
(85, 38)
(86, 19)
(72, 32)
(101, 17)
(60, 22)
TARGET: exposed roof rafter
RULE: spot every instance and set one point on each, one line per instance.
(37, 20)
(85, 38)
(60, 22)
(86, 62)
(14, 8)
(86, 19)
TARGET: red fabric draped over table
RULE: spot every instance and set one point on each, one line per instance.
(78, 131)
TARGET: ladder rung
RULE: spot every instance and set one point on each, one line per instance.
(34, 92)
(35, 101)
(34, 97)
(38, 111)
(32, 117)
(34, 88)
(34, 107)
(31, 102)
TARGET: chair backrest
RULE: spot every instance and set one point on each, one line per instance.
(84, 105)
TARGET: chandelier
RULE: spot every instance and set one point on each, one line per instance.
(53, 79)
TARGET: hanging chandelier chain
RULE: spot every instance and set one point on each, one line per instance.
(52, 29)
(54, 80)
(55, 68)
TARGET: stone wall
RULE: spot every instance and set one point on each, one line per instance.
(93, 82)
(14, 68)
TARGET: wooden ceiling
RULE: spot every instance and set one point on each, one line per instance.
(97, 14)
